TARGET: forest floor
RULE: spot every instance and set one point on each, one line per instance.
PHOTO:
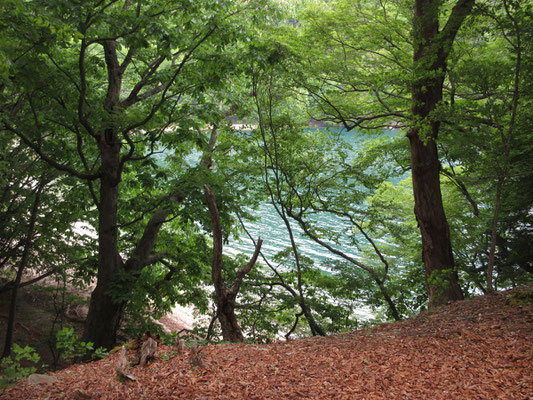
(480, 348)
(39, 316)
(43, 308)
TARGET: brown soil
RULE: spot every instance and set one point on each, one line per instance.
(39, 305)
(37, 308)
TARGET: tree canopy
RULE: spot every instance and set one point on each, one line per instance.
(139, 137)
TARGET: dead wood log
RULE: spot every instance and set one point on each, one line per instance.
(195, 358)
(122, 366)
(180, 345)
(147, 351)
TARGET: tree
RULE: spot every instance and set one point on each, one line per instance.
(368, 91)
(270, 301)
(432, 47)
(225, 297)
(122, 80)
(484, 137)
(36, 239)
(37, 235)
(28, 240)
(309, 177)
(306, 188)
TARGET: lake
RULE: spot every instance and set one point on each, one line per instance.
(271, 228)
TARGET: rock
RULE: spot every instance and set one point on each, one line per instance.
(35, 379)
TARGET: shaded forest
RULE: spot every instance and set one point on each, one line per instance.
(141, 138)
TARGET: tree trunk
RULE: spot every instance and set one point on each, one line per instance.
(494, 234)
(104, 314)
(431, 49)
(316, 330)
(441, 278)
(231, 331)
(225, 296)
(103, 317)
(384, 292)
(23, 262)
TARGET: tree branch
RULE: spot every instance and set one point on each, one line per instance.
(241, 273)
(8, 286)
(459, 12)
(48, 159)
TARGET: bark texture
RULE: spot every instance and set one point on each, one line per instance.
(432, 47)
(105, 313)
(103, 317)
(225, 295)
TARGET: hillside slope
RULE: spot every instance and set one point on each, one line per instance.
(481, 348)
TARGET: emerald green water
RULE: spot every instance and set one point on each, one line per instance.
(272, 229)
